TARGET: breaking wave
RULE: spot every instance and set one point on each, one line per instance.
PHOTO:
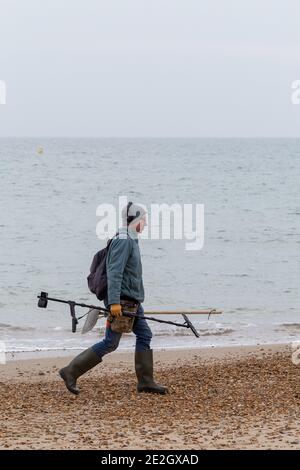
(290, 326)
(7, 327)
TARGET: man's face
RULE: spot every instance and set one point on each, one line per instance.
(140, 225)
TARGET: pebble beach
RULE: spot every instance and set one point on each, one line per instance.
(219, 398)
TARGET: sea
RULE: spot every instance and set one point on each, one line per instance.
(248, 265)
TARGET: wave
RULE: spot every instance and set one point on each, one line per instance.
(292, 326)
(217, 331)
(5, 326)
(220, 332)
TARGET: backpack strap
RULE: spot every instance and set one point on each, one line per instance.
(111, 239)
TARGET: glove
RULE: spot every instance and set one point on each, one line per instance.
(115, 310)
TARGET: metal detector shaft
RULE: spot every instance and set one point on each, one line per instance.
(186, 324)
(154, 319)
(76, 304)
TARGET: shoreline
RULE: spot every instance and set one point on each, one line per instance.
(219, 398)
(32, 358)
(12, 356)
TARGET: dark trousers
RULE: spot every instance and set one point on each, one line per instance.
(112, 339)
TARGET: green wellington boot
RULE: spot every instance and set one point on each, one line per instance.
(144, 373)
(77, 367)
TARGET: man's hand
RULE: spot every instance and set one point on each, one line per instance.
(115, 310)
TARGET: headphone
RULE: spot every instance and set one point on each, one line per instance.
(130, 218)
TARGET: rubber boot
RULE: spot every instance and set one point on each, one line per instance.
(144, 373)
(77, 367)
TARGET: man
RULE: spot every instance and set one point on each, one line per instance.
(125, 291)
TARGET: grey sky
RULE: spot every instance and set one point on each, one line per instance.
(149, 67)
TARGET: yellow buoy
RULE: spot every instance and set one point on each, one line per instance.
(40, 150)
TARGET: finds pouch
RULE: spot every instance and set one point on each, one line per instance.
(124, 324)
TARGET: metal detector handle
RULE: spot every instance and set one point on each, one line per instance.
(73, 315)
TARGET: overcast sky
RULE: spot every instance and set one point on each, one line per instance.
(137, 68)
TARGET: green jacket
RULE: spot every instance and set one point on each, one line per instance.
(124, 269)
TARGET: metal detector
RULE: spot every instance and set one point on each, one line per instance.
(44, 299)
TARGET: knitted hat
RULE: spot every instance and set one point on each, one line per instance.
(132, 212)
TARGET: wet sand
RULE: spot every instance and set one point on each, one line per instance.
(220, 398)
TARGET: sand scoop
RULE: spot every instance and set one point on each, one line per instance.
(95, 312)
